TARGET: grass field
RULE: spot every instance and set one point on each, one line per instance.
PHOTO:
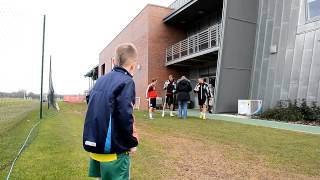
(12, 111)
(16, 118)
(175, 149)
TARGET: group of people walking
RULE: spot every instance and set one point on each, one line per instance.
(180, 90)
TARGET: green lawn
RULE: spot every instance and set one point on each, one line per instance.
(16, 118)
(175, 149)
(12, 111)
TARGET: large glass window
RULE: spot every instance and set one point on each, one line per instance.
(313, 9)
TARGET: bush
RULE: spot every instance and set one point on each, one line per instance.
(288, 111)
(282, 114)
(306, 111)
(316, 112)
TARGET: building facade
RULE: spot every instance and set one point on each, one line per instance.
(150, 37)
(287, 52)
(247, 49)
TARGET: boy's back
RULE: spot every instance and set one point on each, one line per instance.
(108, 132)
(110, 108)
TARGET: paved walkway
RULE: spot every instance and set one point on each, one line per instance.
(259, 122)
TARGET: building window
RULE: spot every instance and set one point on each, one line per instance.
(313, 9)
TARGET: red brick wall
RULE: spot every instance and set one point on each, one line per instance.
(135, 32)
(160, 37)
(151, 36)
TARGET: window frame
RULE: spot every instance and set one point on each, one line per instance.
(310, 19)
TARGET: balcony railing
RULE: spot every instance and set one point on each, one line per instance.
(204, 40)
(178, 4)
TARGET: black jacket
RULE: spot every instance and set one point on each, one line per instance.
(109, 122)
(183, 90)
(170, 87)
(203, 91)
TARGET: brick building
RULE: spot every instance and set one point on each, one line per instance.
(247, 49)
(151, 38)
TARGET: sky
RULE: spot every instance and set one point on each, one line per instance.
(76, 32)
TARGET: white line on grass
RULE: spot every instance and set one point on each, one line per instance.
(21, 149)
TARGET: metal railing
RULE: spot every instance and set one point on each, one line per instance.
(204, 40)
(178, 4)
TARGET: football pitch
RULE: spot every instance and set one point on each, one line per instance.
(169, 148)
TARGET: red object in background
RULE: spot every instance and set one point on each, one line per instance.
(151, 91)
(74, 98)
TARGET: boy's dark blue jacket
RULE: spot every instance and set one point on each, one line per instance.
(108, 126)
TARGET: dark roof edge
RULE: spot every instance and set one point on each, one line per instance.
(177, 11)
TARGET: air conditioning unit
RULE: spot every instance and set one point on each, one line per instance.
(249, 107)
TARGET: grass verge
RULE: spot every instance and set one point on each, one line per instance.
(17, 119)
(175, 149)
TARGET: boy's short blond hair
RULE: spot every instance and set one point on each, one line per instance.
(126, 54)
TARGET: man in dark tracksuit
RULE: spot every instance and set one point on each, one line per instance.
(109, 133)
(202, 89)
(170, 88)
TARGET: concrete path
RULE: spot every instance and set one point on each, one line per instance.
(259, 122)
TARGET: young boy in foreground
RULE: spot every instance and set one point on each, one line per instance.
(109, 124)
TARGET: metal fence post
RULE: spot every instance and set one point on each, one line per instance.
(172, 55)
(180, 49)
(188, 46)
(209, 37)
(197, 43)
(217, 35)
(43, 38)
(166, 55)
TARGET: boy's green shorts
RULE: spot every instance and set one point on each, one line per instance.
(113, 170)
